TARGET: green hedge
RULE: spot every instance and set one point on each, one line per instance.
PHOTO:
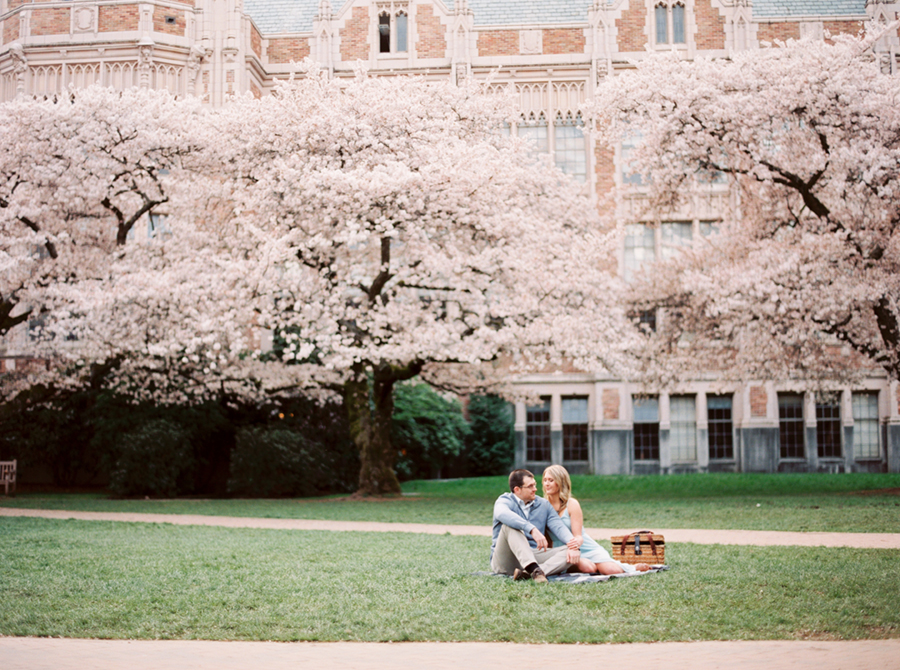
(274, 460)
(299, 447)
(155, 459)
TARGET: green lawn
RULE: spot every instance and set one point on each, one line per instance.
(807, 502)
(124, 580)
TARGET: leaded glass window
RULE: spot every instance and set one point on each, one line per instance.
(670, 21)
(537, 431)
(683, 428)
(646, 429)
(569, 146)
(828, 427)
(678, 24)
(675, 237)
(640, 248)
(402, 26)
(534, 129)
(721, 427)
(866, 428)
(575, 429)
(790, 425)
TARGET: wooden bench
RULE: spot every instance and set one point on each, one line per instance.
(8, 476)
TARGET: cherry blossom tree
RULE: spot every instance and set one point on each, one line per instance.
(376, 230)
(802, 279)
(391, 230)
(76, 175)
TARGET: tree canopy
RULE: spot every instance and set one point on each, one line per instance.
(802, 280)
(76, 175)
(375, 229)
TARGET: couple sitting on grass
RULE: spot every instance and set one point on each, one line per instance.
(523, 521)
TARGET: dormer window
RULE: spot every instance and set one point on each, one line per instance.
(393, 29)
(670, 23)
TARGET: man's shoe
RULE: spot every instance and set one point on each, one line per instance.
(538, 576)
(520, 574)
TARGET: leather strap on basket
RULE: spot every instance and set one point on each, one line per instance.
(637, 542)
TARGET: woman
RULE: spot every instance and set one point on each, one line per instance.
(594, 558)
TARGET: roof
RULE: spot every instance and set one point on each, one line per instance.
(527, 12)
(296, 16)
(768, 8)
(285, 16)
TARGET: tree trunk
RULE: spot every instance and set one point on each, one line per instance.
(370, 428)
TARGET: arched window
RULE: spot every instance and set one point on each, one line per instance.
(670, 22)
(384, 32)
(402, 23)
(393, 28)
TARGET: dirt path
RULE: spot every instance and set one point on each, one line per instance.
(57, 654)
(744, 537)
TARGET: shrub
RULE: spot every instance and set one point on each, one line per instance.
(306, 450)
(428, 431)
(270, 461)
(208, 429)
(490, 448)
(48, 428)
(155, 459)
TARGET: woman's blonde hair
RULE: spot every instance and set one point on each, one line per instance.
(561, 476)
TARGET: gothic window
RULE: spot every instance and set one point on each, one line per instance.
(670, 23)
(534, 128)
(401, 22)
(643, 245)
(156, 226)
(709, 228)
(629, 144)
(569, 146)
(553, 127)
(640, 248)
(393, 28)
(384, 33)
(156, 229)
(676, 236)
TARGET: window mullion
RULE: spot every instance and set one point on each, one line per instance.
(393, 30)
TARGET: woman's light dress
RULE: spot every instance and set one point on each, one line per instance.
(589, 548)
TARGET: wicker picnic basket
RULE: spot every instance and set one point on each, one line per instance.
(642, 546)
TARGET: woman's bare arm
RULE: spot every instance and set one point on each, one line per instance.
(577, 518)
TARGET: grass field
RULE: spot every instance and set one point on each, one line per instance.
(807, 502)
(129, 580)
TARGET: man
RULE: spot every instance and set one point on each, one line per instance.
(521, 520)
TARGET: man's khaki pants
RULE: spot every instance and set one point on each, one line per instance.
(513, 551)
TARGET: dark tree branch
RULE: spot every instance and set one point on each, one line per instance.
(7, 322)
(51, 248)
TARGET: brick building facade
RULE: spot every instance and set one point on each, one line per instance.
(554, 52)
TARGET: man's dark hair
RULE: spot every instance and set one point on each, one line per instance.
(517, 478)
